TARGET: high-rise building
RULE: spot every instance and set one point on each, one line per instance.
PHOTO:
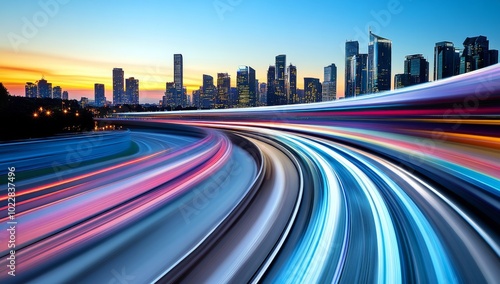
(446, 60)
(180, 96)
(280, 85)
(44, 89)
(359, 71)
(170, 98)
(329, 89)
(223, 89)
(301, 95)
(262, 94)
(247, 96)
(132, 91)
(379, 64)
(291, 85)
(99, 95)
(233, 97)
(271, 88)
(197, 98)
(208, 92)
(417, 67)
(31, 90)
(476, 54)
(351, 49)
(312, 90)
(65, 95)
(57, 92)
(493, 56)
(118, 86)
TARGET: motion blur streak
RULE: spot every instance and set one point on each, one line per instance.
(398, 187)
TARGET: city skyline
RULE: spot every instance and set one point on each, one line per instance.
(77, 63)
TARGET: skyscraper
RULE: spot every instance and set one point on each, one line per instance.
(118, 86)
(208, 92)
(446, 60)
(223, 89)
(65, 95)
(379, 64)
(271, 88)
(246, 87)
(197, 98)
(31, 90)
(263, 94)
(180, 96)
(280, 85)
(329, 92)
(312, 90)
(132, 91)
(359, 71)
(44, 89)
(292, 84)
(417, 67)
(169, 99)
(351, 49)
(57, 92)
(233, 97)
(476, 54)
(99, 95)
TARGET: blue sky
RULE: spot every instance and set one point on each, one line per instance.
(87, 39)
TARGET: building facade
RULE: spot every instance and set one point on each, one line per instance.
(379, 64)
(329, 88)
(312, 90)
(99, 95)
(118, 86)
(351, 50)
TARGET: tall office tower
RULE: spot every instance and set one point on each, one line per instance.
(44, 89)
(57, 92)
(301, 95)
(223, 89)
(493, 56)
(180, 96)
(292, 84)
(351, 49)
(280, 85)
(476, 54)
(263, 94)
(359, 70)
(170, 95)
(271, 88)
(132, 91)
(329, 92)
(446, 60)
(99, 97)
(65, 95)
(312, 90)
(379, 64)
(31, 90)
(417, 67)
(49, 86)
(118, 86)
(196, 98)
(247, 96)
(233, 97)
(208, 92)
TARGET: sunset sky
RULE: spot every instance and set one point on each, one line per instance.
(75, 44)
